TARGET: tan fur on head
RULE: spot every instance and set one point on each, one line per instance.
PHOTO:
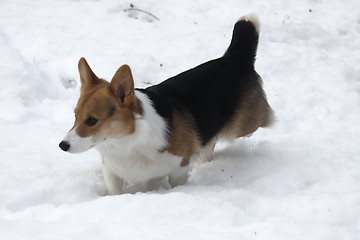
(87, 76)
(112, 105)
(122, 84)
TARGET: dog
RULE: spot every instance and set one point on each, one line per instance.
(152, 134)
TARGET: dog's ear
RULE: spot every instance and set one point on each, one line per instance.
(122, 84)
(87, 76)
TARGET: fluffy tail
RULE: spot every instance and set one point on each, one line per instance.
(245, 39)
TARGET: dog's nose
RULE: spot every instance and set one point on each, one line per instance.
(64, 145)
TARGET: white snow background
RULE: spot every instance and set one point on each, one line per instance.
(297, 180)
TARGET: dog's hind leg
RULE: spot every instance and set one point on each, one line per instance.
(204, 155)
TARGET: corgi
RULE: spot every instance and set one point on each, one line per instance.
(147, 135)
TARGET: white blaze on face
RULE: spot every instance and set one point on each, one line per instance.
(76, 143)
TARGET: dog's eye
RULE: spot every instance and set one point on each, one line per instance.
(91, 121)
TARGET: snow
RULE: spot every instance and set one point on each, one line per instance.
(296, 180)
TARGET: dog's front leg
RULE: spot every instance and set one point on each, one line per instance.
(114, 184)
(179, 176)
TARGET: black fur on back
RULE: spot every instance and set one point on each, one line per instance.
(211, 92)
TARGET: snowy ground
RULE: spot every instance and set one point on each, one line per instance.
(297, 180)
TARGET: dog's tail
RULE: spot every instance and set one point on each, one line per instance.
(245, 39)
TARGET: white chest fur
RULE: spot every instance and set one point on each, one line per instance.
(138, 165)
(136, 158)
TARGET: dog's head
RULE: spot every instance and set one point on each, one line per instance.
(104, 110)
